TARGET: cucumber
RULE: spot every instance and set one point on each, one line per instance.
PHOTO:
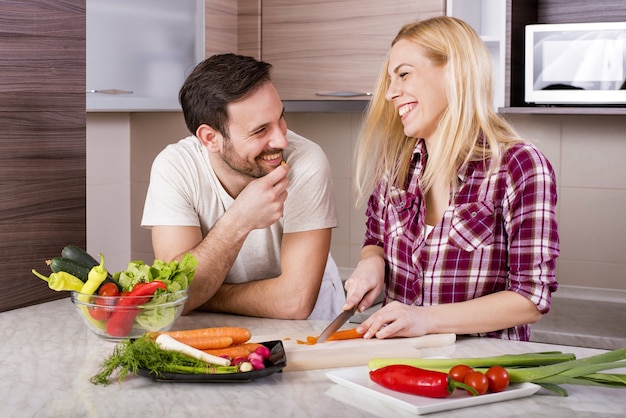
(76, 269)
(58, 264)
(80, 256)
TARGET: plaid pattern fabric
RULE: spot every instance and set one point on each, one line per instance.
(498, 234)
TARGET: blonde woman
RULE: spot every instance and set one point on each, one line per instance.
(461, 224)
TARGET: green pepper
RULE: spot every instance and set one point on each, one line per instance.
(61, 281)
(96, 276)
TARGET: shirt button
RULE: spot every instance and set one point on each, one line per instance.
(474, 214)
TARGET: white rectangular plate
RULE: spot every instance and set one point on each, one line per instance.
(357, 378)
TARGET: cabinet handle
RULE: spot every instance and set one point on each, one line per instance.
(110, 91)
(343, 93)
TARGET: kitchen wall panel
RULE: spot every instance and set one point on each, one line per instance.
(42, 164)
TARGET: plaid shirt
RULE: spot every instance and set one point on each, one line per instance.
(498, 234)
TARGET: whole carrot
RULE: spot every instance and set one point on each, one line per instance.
(236, 350)
(206, 343)
(239, 335)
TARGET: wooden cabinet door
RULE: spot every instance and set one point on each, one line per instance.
(333, 46)
(42, 163)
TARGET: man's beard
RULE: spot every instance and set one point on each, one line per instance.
(238, 164)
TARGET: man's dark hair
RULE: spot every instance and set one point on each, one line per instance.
(216, 82)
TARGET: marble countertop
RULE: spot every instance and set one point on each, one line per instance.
(47, 357)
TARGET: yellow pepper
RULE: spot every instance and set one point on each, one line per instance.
(61, 281)
(96, 276)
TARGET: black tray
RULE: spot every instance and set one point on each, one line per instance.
(276, 362)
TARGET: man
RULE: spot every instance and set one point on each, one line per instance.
(252, 201)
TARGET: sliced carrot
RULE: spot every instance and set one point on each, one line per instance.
(309, 340)
(239, 335)
(346, 334)
(236, 350)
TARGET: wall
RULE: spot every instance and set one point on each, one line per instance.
(586, 151)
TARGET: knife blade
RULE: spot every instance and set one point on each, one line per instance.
(341, 319)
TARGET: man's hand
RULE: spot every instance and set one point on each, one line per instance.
(260, 204)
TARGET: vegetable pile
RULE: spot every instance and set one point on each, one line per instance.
(493, 374)
(217, 350)
(110, 302)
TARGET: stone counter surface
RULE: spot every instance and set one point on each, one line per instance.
(47, 357)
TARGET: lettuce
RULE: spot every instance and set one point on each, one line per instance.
(176, 275)
(156, 318)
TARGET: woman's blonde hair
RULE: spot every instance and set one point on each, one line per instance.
(468, 130)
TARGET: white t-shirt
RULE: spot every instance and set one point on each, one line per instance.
(185, 191)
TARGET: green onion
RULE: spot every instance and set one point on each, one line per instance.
(545, 369)
(506, 360)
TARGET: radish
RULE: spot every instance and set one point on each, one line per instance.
(257, 364)
(256, 356)
(264, 351)
(238, 360)
(165, 342)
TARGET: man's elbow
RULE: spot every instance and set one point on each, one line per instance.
(297, 309)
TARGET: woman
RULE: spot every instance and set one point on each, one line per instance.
(461, 223)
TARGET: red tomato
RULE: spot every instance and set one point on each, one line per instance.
(478, 381)
(498, 378)
(458, 372)
(108, 289)
(102, 314)
(99, 313)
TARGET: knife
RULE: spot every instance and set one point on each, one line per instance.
(341, 319)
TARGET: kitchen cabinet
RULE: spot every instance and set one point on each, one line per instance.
(488, 18)
(42, 164)
(520, 13)
(138, 52)
(333, 49)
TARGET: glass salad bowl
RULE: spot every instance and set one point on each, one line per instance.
(115, 318)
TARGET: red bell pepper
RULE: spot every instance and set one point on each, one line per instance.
(416, 381)
(120, 322)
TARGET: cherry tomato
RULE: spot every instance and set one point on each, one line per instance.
(100, 313)
(458, 372)
(498, 378)
(478, 381)
(108, 289)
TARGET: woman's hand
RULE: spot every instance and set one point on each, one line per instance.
(367, 280)
(487, 313)
(396, 320)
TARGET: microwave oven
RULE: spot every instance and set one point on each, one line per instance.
(575, 64)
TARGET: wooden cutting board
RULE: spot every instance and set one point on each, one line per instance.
(347, 353)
